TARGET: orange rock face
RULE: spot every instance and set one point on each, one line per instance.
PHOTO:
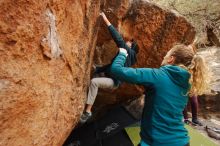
(47, 50)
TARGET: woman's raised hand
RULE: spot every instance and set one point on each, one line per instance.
(103, 15)
(105, 18)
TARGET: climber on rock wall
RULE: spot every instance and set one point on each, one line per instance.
(182, 74)
(108, 81)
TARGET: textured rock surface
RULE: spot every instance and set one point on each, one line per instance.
(47, 49)
(209, 104)
(204, 16)
(212, 57)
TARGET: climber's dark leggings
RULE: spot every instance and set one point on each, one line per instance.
(194, 108)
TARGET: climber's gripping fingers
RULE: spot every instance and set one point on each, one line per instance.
(103, 15)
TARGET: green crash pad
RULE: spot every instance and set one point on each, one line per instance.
(196, 138)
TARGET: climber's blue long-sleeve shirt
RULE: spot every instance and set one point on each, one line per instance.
(161, 123)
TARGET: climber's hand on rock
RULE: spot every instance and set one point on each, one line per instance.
(105, 18)
(103, 15)
(124, 51)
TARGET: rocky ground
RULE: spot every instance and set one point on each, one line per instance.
(214, 123)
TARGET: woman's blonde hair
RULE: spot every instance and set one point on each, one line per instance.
(185, 57)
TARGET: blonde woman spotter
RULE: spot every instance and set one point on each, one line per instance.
(180, 74)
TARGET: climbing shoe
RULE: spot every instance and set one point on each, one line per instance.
(85, 117)
(196, 122)
(186, 121)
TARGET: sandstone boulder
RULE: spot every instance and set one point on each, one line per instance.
(46, 50)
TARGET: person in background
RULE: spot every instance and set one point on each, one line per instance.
(194, 109)
(182, 73)
(108, 81)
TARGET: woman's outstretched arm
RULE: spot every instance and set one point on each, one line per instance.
(142, 76)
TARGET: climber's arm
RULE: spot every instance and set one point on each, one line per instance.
(114, 33)
(107, 22)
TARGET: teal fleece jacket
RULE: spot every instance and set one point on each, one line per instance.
(166, 97)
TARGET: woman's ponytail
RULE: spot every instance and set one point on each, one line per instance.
(200, 76)
(185, 57)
